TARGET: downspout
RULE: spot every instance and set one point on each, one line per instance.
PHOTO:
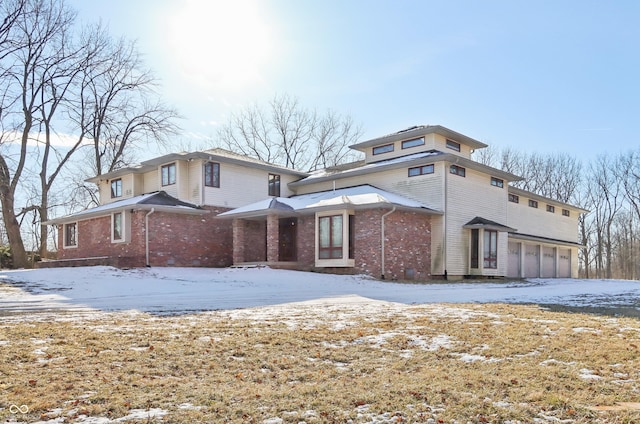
(444, 221)
(382, 240)
(146, 234)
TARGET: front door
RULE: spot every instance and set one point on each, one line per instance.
(287, 237)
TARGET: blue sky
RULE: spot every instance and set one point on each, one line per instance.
(532, 75)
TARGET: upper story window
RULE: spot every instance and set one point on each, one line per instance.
(421, 170)
(453, 145)
(168, 173)
(212, 174)
(533, 203)
(387, 148)
(413, 143)
(71, 235)
(565, 212)
(274, 185)
(497, 182)
(514, 198)
(116, 188)
(551, 208)
(457, 170)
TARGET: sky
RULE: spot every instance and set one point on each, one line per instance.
(544, 76)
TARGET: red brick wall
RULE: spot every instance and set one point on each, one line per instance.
(250, 243)
(407, 244)
(174, 240)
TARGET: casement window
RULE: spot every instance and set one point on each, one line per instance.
(117, 226)
(421, 170)
(413, 143)
(457, 170)
(475, 248)
(453, 145)
(533, 204)
(330, 238)
(514, 198)
(274, 185)
(387, 148)
(116, 188)
(490, 249)
(71, 235)
(212, 174)
(565, 212)
(168, 173)
(551, 208)
(497, 182)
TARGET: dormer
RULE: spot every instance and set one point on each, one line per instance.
(418, 139)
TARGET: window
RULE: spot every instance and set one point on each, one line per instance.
(387, 148)
(274, 185)
(457, 170)
(551, 208)
(490, 249)
(475, 246)
(533, 204)
(453, 145)
(116, 223)
(497, 182)
(352, 236)
(421, 170)
(212, 174)
(168, 174)
(71, 235)
(514, 198)
(116, 188)
(330, 237)
(413, 143)
(565, 212)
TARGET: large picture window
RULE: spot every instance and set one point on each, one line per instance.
(212, 174)
(330, 237)
(168, 173)
(490, 249)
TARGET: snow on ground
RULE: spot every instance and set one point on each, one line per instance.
(184, 290)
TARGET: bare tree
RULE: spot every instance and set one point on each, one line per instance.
(289, 134)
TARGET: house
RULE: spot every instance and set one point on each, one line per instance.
(417, 207)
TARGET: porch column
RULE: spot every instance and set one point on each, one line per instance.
(238, 241)
(273, 238)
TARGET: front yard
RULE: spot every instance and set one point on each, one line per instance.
(321, 362)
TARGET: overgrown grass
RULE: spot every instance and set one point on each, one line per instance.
(323, 364)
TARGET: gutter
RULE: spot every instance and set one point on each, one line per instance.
(382, 240)
(146, 235)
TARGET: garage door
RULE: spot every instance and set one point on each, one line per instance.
(531, 261)
(564, 263)
(514, 260)
(548, 262)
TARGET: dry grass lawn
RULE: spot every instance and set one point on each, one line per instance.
(322, 363)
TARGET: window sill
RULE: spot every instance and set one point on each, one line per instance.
(335, 263)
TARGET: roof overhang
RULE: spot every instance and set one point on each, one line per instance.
(478, 222)
(419, 131)
(543, 240)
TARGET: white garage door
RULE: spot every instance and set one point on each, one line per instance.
(514, 260)
(531, 261)
(548, 262)
(564, 263)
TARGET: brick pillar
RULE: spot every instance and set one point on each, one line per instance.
(273, 238)
(238, 241)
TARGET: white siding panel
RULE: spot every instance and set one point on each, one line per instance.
(151, 181)
(539, 222)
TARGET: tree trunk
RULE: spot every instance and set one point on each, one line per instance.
(18, 253)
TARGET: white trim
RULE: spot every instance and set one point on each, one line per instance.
(64, 235)
(344, 261)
